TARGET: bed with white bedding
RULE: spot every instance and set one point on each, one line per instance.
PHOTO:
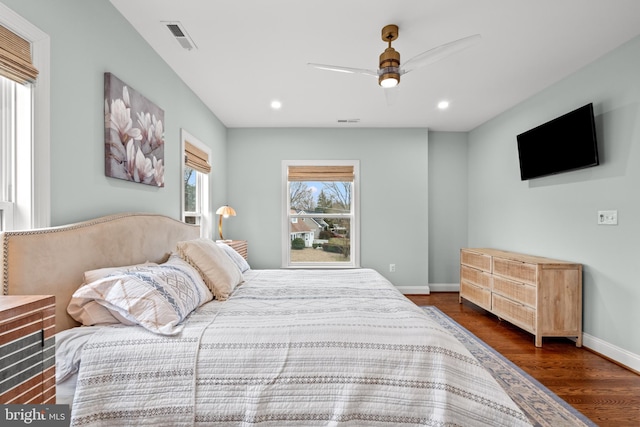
(282, 347)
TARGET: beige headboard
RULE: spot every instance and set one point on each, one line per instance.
(51, 261)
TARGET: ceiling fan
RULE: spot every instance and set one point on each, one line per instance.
(390, 68)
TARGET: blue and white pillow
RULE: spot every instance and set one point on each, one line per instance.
(157, 297)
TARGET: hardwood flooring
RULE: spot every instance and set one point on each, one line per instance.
(605, 392)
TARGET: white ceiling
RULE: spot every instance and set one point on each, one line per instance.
(250, 52)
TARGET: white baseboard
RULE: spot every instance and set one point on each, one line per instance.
(427, 289)
(445, 287)
(613, 352)
(415, 290)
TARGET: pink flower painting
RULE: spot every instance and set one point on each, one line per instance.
(133, 134)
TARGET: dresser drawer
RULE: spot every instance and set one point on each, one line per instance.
(516, 313)
(477, 277)
(476, 260)
(476, 294)
(517, 291)
(516, 270)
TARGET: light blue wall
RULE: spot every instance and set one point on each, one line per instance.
(447, 205)
(393, 196)
(556, 216)
(475, 196)
(89, 38)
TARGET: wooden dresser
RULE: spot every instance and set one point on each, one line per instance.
(540, 295)
(27, 349)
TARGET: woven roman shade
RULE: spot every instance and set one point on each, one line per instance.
(320, 173)
(195, 158)
(15, 58)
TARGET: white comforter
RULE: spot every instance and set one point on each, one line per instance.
(291, 347)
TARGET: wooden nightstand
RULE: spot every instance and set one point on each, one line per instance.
(240, 246)
(27, 349)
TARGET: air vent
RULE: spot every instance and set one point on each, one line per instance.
(348, 120)
(180, 34)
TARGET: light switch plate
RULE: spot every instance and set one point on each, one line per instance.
(607, 217)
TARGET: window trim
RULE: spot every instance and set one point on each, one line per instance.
(354, 216)
(203, 182)
(41, 140)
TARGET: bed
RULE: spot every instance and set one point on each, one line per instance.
(280, 347)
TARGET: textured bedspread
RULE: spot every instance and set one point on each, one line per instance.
(297, 348)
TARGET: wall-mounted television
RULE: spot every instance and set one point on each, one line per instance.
(565, 143)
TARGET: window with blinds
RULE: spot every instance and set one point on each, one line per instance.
(16, 123)
(16, 74)
(321, 214)
(25, 193)
(195, 190)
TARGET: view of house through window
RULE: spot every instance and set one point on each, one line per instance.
(321, 215)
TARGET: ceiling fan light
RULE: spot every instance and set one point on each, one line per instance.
(388, 81)
(389, 77)
(389, 72)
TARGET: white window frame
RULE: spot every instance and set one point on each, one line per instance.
(354, 215)
(203, 213)
(33, 168)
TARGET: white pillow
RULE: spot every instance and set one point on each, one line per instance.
(99, 273)
(217, 270)
(237, 259)
(157, 297)
(87, 311)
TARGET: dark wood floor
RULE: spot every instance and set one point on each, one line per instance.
(606, 393)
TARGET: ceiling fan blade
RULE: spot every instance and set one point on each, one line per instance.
(344, 69)
(440, 52)
(391, 95)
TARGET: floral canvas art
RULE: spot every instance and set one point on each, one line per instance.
(134, 134)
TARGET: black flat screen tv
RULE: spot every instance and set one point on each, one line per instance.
(565, 143)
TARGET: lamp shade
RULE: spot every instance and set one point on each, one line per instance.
(226, 211)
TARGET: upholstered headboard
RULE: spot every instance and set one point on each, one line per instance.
(51, 261)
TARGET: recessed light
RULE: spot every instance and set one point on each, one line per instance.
(276, 105)
(443, 105)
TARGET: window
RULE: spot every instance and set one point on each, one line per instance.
(321, 214)
(195, 189)
(24, 124)
(15, 125)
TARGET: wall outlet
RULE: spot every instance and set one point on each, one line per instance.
(392, 268)
(607, 217)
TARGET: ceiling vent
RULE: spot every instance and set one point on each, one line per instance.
(178, 31)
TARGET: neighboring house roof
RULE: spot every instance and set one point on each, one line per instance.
(300, 227)
(321, 222)
(318, 221)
